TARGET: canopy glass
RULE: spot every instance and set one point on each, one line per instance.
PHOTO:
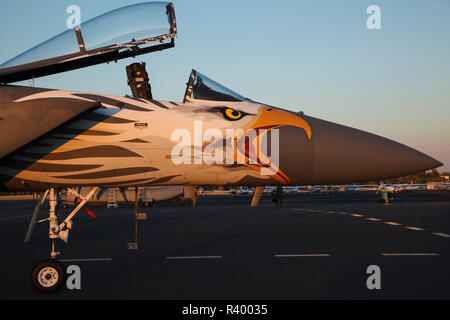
(204, 88)
(126, 25)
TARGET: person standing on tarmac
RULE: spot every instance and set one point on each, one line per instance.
(274, 198)
(279, 193)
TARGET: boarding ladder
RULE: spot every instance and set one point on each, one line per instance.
(112, 200)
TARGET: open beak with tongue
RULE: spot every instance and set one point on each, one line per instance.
(254, 144)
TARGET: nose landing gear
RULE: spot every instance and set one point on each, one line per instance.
(48, 276)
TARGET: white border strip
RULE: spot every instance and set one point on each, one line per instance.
(409, 254)
(193, 257)
(415, 228)
(393, 223)
(85, 260)
(302, 255)
(440, 234)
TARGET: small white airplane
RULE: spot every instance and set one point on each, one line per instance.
(268, 189)
(437, 186)
(243, 190)
(392, 188)
(289, 189)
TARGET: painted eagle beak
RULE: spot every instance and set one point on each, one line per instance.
(255, 148)
(271, 118)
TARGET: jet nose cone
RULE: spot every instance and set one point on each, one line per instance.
(342, 154)
(337, 154)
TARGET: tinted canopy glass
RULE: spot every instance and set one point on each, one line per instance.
(205, 88)
(126, 25)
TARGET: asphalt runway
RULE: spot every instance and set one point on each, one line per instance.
(316, 246)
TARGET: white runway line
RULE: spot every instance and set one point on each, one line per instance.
(409, 254)
(393, 223)
(302, 255)
(85, 260)
(16, 217)
(193, 257)
(19, 197)
(415, 228)
(440, 234)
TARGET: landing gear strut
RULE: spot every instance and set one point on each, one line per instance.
(48, 276)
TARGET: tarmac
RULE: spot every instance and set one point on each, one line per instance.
(317, 246)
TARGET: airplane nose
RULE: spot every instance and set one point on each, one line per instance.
(338, 154)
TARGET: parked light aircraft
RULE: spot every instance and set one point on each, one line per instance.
(59, 140)
(393, 188)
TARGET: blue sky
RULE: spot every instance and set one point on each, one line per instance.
(315, 56)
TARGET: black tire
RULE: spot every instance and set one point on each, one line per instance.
(48, 276)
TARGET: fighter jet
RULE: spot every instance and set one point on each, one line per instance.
(59, 140)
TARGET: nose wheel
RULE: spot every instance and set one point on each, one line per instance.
(48, 276)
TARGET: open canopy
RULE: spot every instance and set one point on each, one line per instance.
(121, 33)
(200, 87)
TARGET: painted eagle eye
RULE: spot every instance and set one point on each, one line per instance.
(232, 115)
